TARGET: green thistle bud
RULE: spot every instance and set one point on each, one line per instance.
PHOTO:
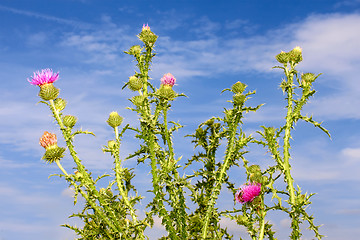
(242, 220)
(111, 144)
(238, 87)
(209, 122)
(135, 83)
(69, 121)
(138, 100)
(48, 92)
(166, 92)
(53, 154)
(239, 99)
(256, 177)
(295, 55)
(60, 104)
(114, 120)
(78, 175)
(147, 36)
(300, 199)
(254, 169)
(283, 57)
(135, 50)
(307, 79)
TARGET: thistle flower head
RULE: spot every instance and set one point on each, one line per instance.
(44, 77)
(48, 140)
(248, 192)
(146, 27)
(168, 79)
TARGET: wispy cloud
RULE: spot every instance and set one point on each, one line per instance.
(73, 23)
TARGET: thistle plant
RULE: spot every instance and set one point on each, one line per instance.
(185, 203)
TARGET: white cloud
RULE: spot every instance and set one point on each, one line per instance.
(351, 155)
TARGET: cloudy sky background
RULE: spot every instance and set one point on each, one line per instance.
(207, 46)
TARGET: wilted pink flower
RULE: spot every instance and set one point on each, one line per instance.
(168, 79)
(48, 140)
(146, 27)
(248, 192)
(44, 77)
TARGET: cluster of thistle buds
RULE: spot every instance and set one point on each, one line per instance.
(294, 56)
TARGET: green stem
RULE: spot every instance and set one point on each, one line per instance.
(61, 167)
(287, 167)
(262, 220)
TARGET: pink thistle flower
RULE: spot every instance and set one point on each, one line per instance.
(48, 140)
(44, 77)
(248, 192)
(168, 79)
(146, 27)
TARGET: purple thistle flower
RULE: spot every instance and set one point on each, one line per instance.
(168, 79)
(44, 77)
(146, 27)
(248, 192)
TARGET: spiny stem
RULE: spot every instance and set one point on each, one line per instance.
(219, 181)
(121, 187)
(287, 136)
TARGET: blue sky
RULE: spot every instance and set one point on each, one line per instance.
(208, 46)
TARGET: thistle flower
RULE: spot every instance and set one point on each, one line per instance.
(168, 79)
(146, 27)
(53, 151)
(44, 77)
(248, 192)
(48, 140)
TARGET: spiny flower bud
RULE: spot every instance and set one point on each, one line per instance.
(69, 121)
(111, 144)
(135, 50)
(60, 104)
(283, 57)
(135, 83)
(295, 55)
(147, 36)
(254, 168)
(48, 92)
(166, 92)
(238, 87)
(53, 154)
(114, 120)
(239, 99)
(248, 192)
(78, 175)
(242, 219)
(138, 100)
(307, 79)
